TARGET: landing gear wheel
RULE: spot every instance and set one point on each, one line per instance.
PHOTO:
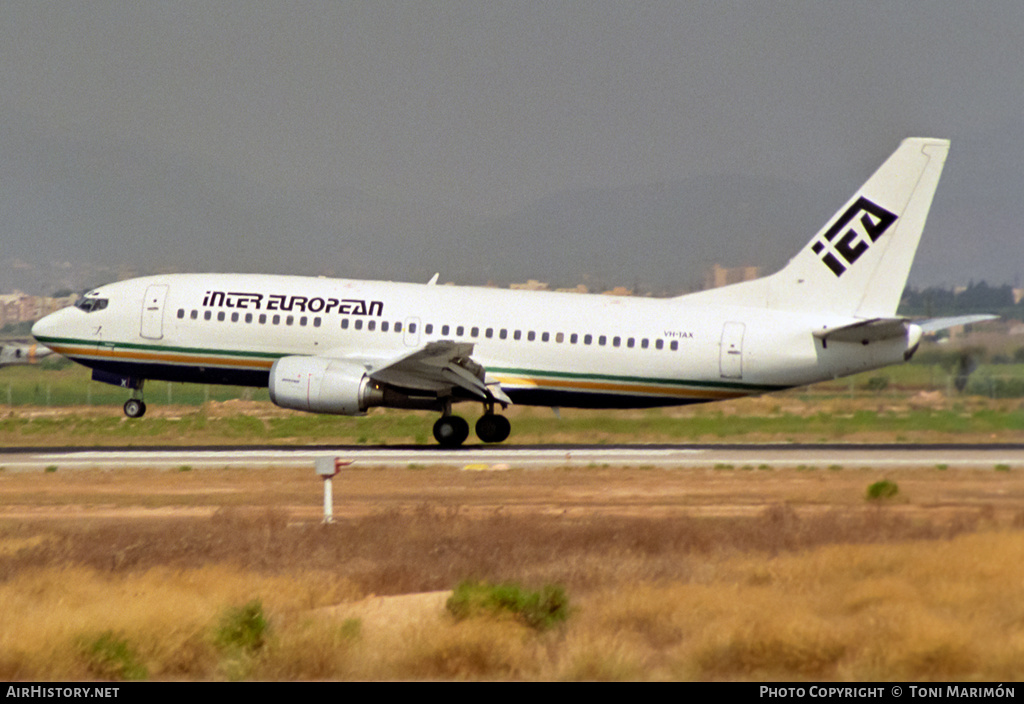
(451, 431)
(134, 408)
(493, 428)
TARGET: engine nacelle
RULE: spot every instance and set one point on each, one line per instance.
(321, 385)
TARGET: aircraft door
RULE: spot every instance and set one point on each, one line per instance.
(153, 312)
(730, 360)
(412, 332)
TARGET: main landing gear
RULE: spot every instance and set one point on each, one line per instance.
(493, 428)
(452, 431)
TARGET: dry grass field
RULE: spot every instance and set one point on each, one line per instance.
(707, 574)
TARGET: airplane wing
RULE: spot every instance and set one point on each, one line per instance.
(439, 366)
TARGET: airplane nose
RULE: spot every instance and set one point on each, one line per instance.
(47, 326)
(40, 327)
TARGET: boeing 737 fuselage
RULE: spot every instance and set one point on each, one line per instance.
(344, 346)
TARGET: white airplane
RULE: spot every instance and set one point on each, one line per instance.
(16, 353)
(343, 346)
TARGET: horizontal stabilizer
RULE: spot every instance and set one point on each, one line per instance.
(936, 324)
(874, 329)
(865, 331)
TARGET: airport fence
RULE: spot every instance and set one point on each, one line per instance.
(63, 389)
(72, 386)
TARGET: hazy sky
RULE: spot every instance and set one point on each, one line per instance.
(211, 123)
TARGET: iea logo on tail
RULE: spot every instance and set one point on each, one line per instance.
(848, 246)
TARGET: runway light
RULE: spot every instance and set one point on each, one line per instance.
(327, 468)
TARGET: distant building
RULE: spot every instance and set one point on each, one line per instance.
(19, 307)
(718, 276)
(531, 285)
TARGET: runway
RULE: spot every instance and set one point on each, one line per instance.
(496, 458)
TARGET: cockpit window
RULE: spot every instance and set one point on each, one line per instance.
(90, 305)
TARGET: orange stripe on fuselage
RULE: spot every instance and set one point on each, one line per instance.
(182, 359)
(618, 388)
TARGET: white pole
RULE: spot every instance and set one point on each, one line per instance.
(328, 501)
(327, 468)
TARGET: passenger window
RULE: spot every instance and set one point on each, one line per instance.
(573, 339)
(630, 342)
(206, 315)
(659, 344)
(602, 340)
(398, 327)
(428, 328)
(277, 320)
(220, 316)
(234, 317)
(489, 333)
(503, 334)
(302, 321)
(383, 326)
(560, 337)
(674, 346)
(181, 312)
(194, 315)
(344, 323)
(371, 325)
(544, 337)
(460, 331)
(359, 324)
(616, 341)
(290, 320)
(643, 343)
(316, 322)
(587, 339)
(517, 335)
(263, 319)
(248, 317)
(444, 330)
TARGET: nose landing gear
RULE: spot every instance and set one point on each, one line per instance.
(135, 407)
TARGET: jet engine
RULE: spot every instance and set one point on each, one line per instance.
(322, 385)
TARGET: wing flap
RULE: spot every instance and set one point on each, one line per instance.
(438, 367)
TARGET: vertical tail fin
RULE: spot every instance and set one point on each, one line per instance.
(857, 264)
